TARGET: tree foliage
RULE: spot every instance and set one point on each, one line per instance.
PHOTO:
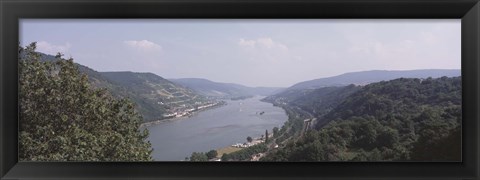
(198, 156)
(62, 118)
(212, 154)
(402, 119)
(275, 132)
(266, 136)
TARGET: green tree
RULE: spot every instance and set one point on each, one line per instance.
(225, 157)
(435, 146)
(275, 131)
(266, 136)
(62, 118)
(212, 154)
(388, 137)
(249, 139)
(198, 156)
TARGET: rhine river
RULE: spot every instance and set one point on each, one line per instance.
(215, 128)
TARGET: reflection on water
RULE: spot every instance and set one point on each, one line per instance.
(213, 129)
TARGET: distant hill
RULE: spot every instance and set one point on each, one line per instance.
(366, 77)
(216, 89)
(153, 95)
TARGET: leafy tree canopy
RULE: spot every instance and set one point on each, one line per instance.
(402, 119)
(62, 118)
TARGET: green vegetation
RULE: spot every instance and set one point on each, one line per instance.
(314, 102)
(62, 118)
(321, 101)
(275, 132)
(431, 145)
(69, 112)
(292, 127)
(198, 156)
(266, 136)
(212, 154)
(399, 120)
(153, 95)
(306, 104)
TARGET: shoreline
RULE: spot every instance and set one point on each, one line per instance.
(167, 120)
(233, 148)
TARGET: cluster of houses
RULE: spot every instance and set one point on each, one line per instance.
(187, 112)
(248, 144)
(254, 157)
(242, 145)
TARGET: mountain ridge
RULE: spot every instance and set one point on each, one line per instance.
(219, 89)
(366, 77)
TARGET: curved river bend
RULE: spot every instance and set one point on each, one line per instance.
(214, 128)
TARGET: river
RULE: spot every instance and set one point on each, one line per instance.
(214, 128)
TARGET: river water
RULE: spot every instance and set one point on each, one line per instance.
(214, 128)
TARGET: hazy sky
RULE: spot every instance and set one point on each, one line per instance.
(276, 53)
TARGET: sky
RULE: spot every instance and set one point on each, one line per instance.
(267, 53)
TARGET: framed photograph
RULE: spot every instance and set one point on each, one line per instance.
(239, 89)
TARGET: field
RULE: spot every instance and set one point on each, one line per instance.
(228, 149)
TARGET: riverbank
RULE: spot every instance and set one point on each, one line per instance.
(192, 113)
(239, 146)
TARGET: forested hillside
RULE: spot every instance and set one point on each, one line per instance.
(303, 104)
(405, 119)
(153, 95)
(316, 102)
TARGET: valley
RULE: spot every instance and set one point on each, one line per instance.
(333, 115)
(276, 90)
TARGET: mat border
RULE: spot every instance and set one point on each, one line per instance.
(11, 11)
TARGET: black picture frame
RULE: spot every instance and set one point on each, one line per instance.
(466, 10)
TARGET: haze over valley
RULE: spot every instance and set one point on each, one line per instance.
(158, 98)
(240, 90)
